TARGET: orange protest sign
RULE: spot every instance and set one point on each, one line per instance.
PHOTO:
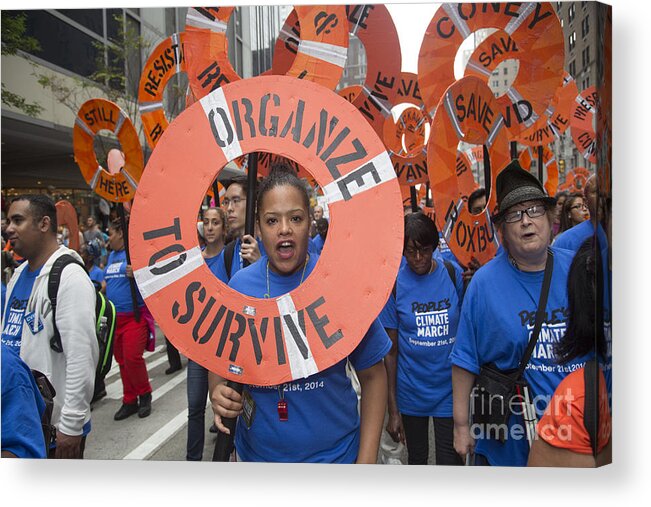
(373, 25)
(583, 123)
(540, 73)
(93, 116)
(556, 119)
(350, 92)
(406, 137)
(165, 61)
(67, 216)
(467, 112)
(575, 180)
(526, 23)
(411, 168)
(268, 341)
(320, 57)
(550, 172)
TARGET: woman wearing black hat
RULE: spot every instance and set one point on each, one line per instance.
(498, 316)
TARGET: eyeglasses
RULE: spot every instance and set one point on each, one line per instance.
(424, 251)
(579, 206)
(234, 201)
(532, 212)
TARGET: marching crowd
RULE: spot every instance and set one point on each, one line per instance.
(445, 332)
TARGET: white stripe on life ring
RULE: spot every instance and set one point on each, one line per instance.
(217, 100)
(84, 127)
(523, 14)
(323, 51)
(149, 284)
(197, 20)
(300, 367)
(369, 175)
(148, 107)
(453, 11)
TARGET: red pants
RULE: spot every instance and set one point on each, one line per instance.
(128, 347)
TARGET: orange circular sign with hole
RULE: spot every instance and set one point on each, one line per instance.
(320, 57)
(374, 27)
(526, 23)
(540, 73)
(410, 168)
(268, 341)
(467, 112)
(100, 114)
(165, 61)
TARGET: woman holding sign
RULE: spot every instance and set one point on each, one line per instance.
(314, 419)
(421, 318)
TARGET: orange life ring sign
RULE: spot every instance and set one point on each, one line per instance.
(452, 23)
(320, 57)
(167, 60)
(409, 132)
(583, 123)
(575, 180)
(268, 341)
(540, 73)
(67, 215)
(350, 92)
(550, 172)
(374, 27)
(206, 49)
(556, 119)
(467, 112)
(411, 169)
(93, 116)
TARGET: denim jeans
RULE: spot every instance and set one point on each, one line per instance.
(197, 395)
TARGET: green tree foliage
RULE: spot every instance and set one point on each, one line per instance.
(13, 39)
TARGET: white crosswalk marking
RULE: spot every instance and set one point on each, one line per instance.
(158, 439)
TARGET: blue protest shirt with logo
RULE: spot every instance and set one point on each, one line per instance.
(323, 422)
(118, 288)
(14, 312)
(497, 318)
(426, 315)
(22, 408)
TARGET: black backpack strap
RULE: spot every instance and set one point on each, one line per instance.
(54, 279)
(229, 252)
(591, 403)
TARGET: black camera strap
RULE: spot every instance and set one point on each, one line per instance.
(540, 313)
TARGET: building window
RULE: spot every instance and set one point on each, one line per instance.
(88, 18)
(572, 40)
(506, 71)
(586, 83)
(572, 68)
(571, 12)
(558, 6)
(585, 26)
(585, 55)
(61, 43)
(496, 83)
(506, 82)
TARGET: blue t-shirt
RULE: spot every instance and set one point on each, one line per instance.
(213, 263)
(22, 408)
(318, 243)
(323, 422)
(4, 296)
(426, 315)
(497, 317)
(14, 313)
(573, 238)
(117, 283)
(96, 274)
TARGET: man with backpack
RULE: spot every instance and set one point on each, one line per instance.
(62, 344)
